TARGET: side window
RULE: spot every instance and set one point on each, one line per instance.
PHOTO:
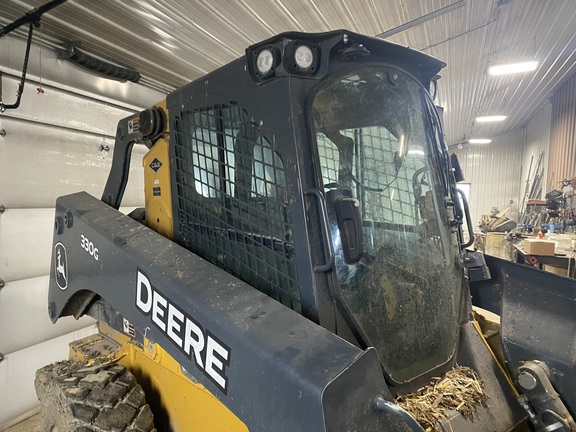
(205, 161)
(268, 173)
(232, 203)
(267, 170)
(206, 142)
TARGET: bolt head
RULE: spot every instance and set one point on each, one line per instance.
(59, 225)
(68, 219)
(52, 310)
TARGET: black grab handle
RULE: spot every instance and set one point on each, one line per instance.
(468, 221)
(325, 231)
(127, 133)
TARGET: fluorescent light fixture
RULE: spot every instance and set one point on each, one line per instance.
(168, 47)
(416, 152)
(490, 118)
(510, 68)
(162, 33)
(402, 146)
(479, 141)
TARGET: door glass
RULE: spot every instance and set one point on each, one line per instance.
(375, 144)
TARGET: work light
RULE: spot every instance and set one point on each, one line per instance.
(303, 57)
(265, 61)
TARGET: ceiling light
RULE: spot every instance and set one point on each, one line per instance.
(479, 141)
(416, 152)
(168, 47)
(510, 68)
(162, 33)
(490, 118)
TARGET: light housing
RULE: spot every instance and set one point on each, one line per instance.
(479, 141)
(510, 68)
(491, 118)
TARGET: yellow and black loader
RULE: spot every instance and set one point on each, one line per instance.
(300, 261)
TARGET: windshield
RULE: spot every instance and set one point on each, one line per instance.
(376, 143)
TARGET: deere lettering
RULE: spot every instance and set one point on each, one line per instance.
(210, 354)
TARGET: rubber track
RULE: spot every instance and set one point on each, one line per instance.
(91, 399)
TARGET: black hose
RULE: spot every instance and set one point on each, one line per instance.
(100, 66)
(23, 78)
(558, 417)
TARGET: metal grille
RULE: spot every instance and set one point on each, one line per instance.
(232, 202)
(381, 182)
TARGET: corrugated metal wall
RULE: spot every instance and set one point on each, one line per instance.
(51, 148)
(562, 163)
(537, 143)
(493, 172)
(497, 172)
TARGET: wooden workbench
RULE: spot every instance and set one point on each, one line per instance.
(565, 259)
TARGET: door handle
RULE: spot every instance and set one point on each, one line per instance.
(325, 230)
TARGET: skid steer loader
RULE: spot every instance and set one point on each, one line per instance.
(299, 264)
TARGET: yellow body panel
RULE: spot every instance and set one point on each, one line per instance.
(157, 191)
(179, 404)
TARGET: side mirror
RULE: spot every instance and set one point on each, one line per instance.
(349, 221)
(455, 164)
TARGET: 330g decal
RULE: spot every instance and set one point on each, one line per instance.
(88, 246)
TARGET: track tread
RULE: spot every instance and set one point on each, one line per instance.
(102, 398)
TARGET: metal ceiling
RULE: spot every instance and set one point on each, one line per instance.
(172, 42)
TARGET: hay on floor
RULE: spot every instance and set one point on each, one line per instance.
(459, 389)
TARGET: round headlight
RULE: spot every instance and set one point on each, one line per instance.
(304, 57)
(265, 61)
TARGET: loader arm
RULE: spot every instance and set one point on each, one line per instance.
(538, 322)
(239, 343)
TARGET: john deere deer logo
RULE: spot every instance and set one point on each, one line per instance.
(61, 266)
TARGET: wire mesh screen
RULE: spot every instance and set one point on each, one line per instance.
(379, 179)
(232, 202)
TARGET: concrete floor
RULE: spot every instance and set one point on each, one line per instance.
(31, 424)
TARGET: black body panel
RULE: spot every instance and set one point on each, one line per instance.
(280, 365)
(278, 107)
(538, 319)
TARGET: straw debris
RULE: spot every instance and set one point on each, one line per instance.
(459, 389)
